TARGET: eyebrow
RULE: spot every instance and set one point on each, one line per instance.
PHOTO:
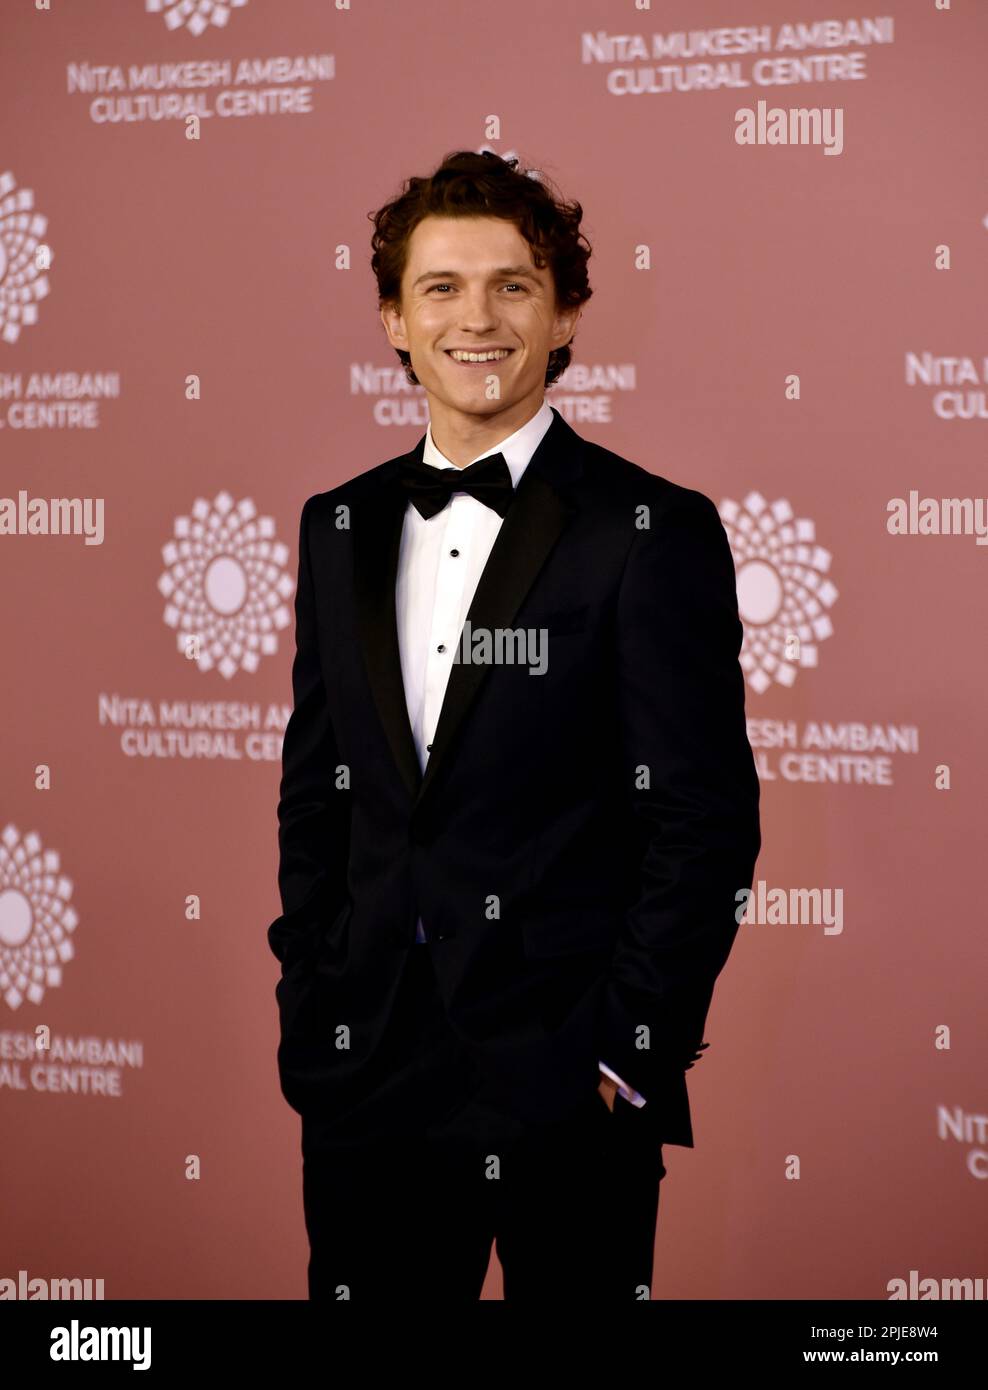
(516, 272)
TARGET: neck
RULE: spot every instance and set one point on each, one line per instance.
(460, 437)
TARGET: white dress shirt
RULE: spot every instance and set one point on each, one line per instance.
(440, 563)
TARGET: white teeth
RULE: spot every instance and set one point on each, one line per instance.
(480, 356)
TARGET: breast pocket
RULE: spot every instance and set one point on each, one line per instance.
(559, 637)
(561, 622)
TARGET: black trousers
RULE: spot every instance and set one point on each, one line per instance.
(405, 1192)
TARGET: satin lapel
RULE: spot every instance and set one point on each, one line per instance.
(377, 524)
(535, 520)
(538, 514)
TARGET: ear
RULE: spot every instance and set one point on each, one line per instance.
(394, 325)
(564, 325)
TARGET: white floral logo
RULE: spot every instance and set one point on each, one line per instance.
(22, 281)
(783, 588)
(226, 585)
(194, 15)
(36, 918)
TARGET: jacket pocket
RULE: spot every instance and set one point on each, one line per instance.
(292, 989)
(566, 931)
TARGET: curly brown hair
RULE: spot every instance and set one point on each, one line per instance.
(468, 184)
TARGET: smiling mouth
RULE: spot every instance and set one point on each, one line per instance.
(481, 358)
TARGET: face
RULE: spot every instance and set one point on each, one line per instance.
(470, 284)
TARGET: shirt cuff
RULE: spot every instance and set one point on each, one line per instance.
(623, 1088)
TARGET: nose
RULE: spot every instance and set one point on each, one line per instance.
(477, 311)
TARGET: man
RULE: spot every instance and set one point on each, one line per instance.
(518, 800)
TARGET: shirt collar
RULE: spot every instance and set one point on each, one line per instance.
(517, 449)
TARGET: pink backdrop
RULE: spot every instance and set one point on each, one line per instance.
(220, 258)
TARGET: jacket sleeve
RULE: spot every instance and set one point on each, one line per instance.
(313, 812)
(693, 789)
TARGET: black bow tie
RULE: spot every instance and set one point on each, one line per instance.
(489, 480)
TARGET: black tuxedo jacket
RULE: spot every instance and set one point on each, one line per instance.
(578, 841)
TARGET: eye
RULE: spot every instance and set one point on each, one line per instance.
(445, 285)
